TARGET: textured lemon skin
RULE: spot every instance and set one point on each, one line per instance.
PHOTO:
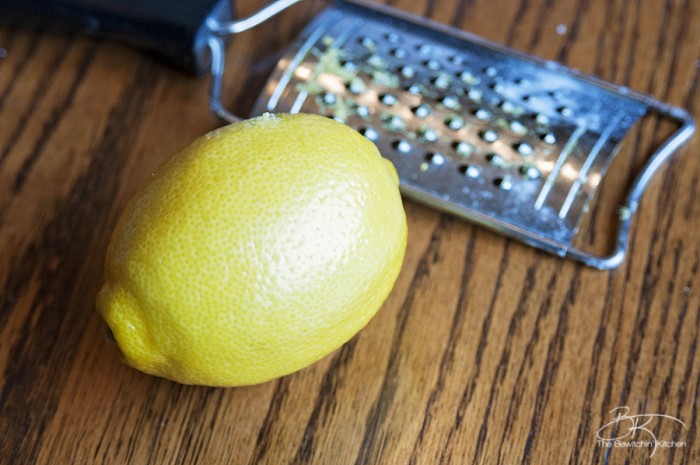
(254, 252)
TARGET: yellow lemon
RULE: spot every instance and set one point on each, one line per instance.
(254, 252)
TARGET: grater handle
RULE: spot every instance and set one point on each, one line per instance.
(176, 31)
(627, 210)
(220, 28)
(226, 28)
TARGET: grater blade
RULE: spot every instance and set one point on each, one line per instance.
(478, 130)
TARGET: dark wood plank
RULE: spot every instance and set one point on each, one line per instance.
(486, 352)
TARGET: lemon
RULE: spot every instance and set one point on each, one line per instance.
(254, 252)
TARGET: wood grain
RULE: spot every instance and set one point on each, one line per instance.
(486, 352)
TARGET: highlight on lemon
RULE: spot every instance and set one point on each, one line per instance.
(254, 252)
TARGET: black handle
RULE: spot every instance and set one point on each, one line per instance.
(174, 29)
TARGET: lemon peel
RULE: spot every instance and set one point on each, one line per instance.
(254, 252)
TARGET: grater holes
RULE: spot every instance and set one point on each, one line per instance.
(497, 86)
(399, 53)
(475, 95)
(432, 64)
(463, 149)
(468, 78)
(393, 122)
(357, 85)
(470, 170)
(441, 81)
(489, 135)
(367, 42)
(427, 134)
(349, 65)
(523, 148)
(329, 98)
(414, 89)
(565, 111)
(392, 37)
(490, 71)
(424, 49)
(461, 114)
(457, 60)
(388, 99)
(377, 61)
(529, 171)
(541, 122)
(508, 107)
(454, 122)
(503, 182)
(482, 114)
(407, 71)
(518, 128)
(541, 119)
(548, 138)
(421, 111)
(370, 133)
(435, 158)
(401, 146)
(496, 160)
(361, 110)
(451, 102)
(431, 159)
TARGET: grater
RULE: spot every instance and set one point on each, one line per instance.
(504, 139)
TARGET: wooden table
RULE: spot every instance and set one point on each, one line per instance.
(487, 351)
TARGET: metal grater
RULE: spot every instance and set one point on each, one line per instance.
(479, 130)
(506, 140)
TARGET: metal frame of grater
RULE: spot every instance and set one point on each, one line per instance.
(501, 138)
